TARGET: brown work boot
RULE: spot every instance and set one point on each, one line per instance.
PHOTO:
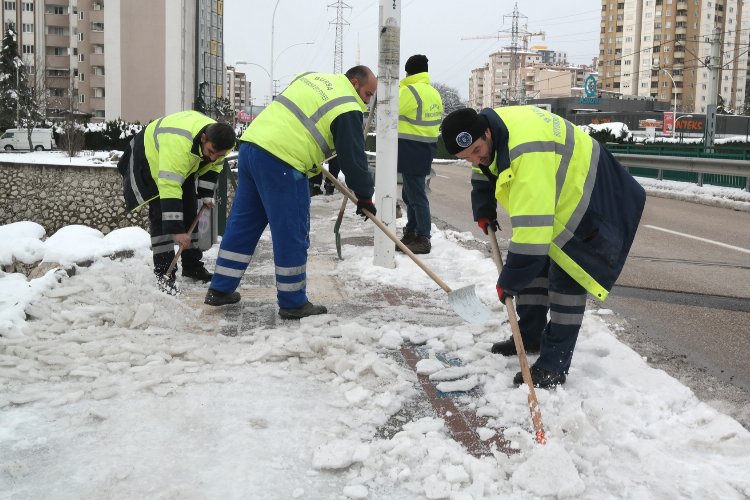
(420, 245)
(407, 238)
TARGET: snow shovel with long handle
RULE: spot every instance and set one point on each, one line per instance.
(464, 300)
(340, 216)
(189, 232)
(536, 415)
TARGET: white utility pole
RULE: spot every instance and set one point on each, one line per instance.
(713, 89)
(389, 48)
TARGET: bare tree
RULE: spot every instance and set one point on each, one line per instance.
(72, 138)
(32, 102)
(451, 99)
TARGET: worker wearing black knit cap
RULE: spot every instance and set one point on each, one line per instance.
(420, 110)
(574, 211)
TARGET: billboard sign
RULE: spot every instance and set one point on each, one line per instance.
(668, 128)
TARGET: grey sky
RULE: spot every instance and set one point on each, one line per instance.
(431, 27)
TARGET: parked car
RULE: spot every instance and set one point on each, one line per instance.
(18, 138)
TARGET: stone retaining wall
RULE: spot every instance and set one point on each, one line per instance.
(61, 195)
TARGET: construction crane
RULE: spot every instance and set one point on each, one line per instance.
(516, 90)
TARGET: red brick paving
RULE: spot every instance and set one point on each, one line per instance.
(462, 422)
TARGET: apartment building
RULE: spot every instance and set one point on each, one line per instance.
(500, 81)
(129, 59)
(662, 49)
(238, 90)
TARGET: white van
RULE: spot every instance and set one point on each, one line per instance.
(18, 138)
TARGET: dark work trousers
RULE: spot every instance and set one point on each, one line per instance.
(162, 245)
(553, 291)
(414, 194)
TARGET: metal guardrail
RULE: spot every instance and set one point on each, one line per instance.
(700, 166)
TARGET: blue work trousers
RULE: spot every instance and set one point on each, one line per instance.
(414, 194)
(553, 291)
(269, 192)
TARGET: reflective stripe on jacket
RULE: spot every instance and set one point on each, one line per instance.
(296, 126)
(567, 198)
(168, 142)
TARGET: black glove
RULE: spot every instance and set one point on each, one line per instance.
(365, 204)
(502, 294)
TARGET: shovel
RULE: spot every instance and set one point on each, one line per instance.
(189, 232)
(464, 300)
(536, 415)
(340, 217)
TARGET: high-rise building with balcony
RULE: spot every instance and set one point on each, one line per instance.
(129, 59)
(662, 49)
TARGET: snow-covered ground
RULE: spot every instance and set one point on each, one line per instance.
(111, 389)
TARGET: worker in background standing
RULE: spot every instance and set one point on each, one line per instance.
(574, 211)
(280, 149)
(169, 165)
(420, 110)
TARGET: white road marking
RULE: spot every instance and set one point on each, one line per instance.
(718, 243)
(442, 176)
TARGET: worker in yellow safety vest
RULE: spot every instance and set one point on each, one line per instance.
(420, 111)
(284, 146)
(171, 164)
(574, 211)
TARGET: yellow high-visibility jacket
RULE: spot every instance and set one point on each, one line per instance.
(567, 197)
(296, 126)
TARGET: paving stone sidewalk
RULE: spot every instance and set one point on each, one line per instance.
(348, 297)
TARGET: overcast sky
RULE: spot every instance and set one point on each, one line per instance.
(431, 27)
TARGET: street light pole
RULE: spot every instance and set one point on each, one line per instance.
(273, 18)
(270, 73)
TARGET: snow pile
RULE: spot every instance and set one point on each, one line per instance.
(113, 389)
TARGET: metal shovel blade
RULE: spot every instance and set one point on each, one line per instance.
(338, 243)
(337, 227)
(467, 305)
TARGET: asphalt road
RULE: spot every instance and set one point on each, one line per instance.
(683, 299)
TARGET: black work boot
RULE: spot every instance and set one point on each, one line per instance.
(541, 378)
(420, 245)
(508, 348)
(217, 298)
(198, 274)
(330, 188)
(315, 190)
(301, 312)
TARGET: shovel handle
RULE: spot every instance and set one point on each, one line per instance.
(389, 233)
(536, 414)
(189, 232)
